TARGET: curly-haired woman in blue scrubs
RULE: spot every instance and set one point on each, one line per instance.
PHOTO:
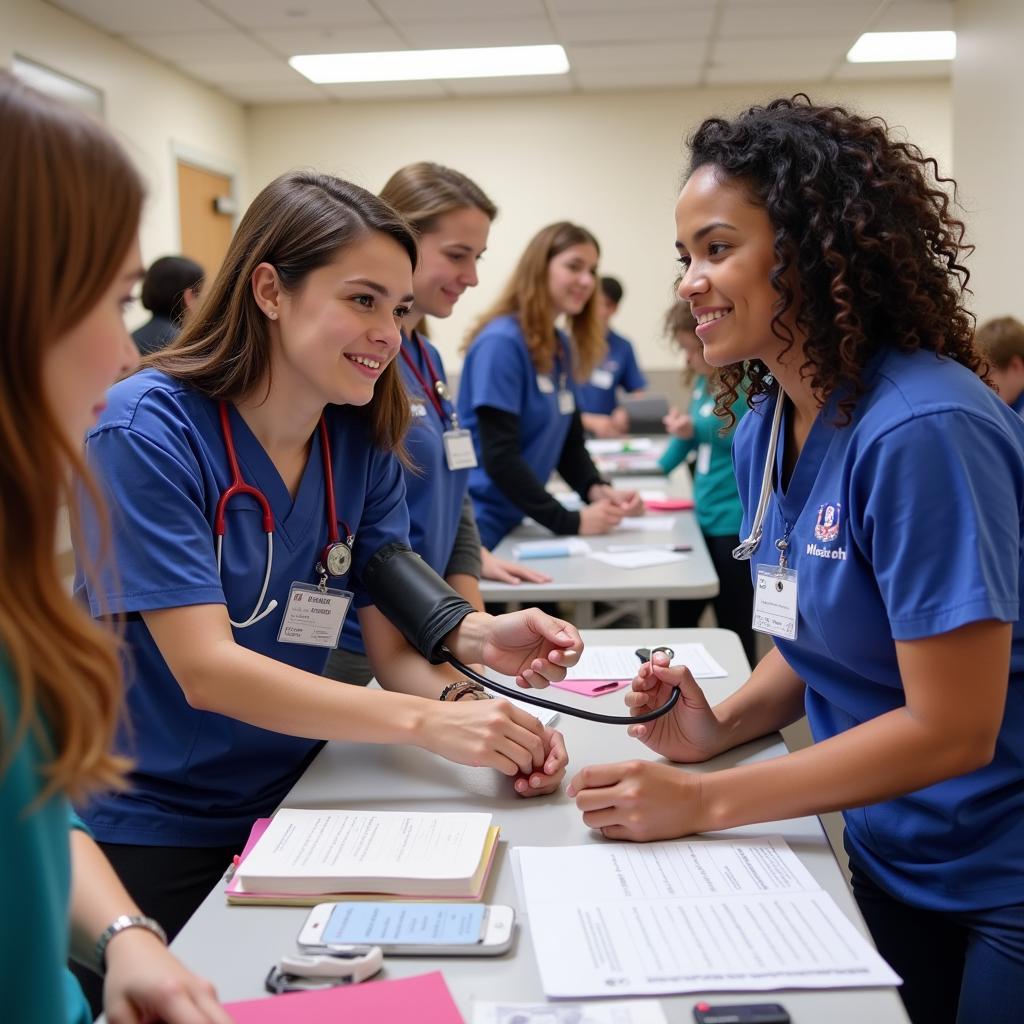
(823, 262)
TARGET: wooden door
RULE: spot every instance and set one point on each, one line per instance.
(205, 233)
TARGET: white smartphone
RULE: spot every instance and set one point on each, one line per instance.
(410, 929)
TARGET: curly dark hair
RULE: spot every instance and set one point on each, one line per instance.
(868, 226)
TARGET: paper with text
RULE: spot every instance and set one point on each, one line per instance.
(627, 1011)
(719, 915)
(646, 559)
(621, 662)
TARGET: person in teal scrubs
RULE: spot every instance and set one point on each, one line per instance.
(707, 437)
(69, 256)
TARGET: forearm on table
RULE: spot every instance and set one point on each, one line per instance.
(772, 698)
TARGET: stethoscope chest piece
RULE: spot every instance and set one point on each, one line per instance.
(337, 558)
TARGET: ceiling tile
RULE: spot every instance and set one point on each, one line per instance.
(590, 7)
(254, 14)
(267, 92)
(916, 17)
(791, 52)
(509, 86)
(595, 79)
(902, 69)
(746, 74)
(193, 46)
(398, 11)
(796, 20)
(223, 72)
(443, 34)
(357, 39)
(386, 91)
(124, 16)
(597, 57)
(638, 25)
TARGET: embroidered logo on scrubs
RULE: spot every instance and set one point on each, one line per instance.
(418, 409)
(827, 528)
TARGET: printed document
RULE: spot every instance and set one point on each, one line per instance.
(621, 662)
(714, 915)
(624, 1011)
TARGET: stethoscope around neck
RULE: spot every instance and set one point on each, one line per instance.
(744, 551)
(336, 557)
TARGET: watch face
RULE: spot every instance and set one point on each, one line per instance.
(339, 559)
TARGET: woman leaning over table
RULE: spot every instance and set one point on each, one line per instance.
(823, 263)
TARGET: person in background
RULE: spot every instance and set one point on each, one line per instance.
(883, 490)
(452, 218)
(601, 414)
(700, 432)
(69, 257)
(1001, 342)
(518, 393)
(170, 289)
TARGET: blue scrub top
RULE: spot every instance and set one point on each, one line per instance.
(433, 492)
(200, 778)
(498, 373)
(907, 524)
(618, 370)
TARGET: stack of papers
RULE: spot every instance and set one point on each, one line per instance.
(648, 524)
(304, 857)
(702, 916)
(645, 558)
(621, 662)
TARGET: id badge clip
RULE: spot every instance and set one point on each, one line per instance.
(458, 449)
(775, 597)
(566, 402)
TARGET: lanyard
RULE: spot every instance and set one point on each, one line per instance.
(438, 390)
(745, 550)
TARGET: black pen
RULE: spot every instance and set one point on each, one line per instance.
(649, 547)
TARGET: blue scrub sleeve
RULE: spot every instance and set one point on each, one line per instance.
(940, 523)
(385, 518)
(162, 544)
(497, 375)
(633, 378)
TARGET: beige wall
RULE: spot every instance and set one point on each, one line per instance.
(610, 161)
(988, 140)
(150, 107)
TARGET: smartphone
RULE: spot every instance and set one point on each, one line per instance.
(410, 929)
(747, 1013)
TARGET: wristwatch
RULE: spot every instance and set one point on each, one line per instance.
(456, 691)
(120, 924)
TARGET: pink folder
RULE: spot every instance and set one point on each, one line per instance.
(669, 505)
(424, 999)
(593, 687)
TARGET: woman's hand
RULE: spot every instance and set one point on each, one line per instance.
(549, 778)
(500, 569)
(678, 424)
(530, 645)
(145, 982)
(638, 800)
(629, 503)
(601, 516)
(489, 734)
(690, 732)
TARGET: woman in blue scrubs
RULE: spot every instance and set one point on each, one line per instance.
(452, 218)
(69, 257)
(289, 364)
(518, 393)
(823, 262)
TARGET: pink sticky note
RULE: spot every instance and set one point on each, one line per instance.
(424, 999)
(669, 504)
(592, 687)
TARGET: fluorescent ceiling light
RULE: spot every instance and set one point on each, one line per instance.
(898, 46)
(412, 65)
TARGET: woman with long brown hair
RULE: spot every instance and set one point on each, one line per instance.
(883, 490)
(517, 394)
(69, 258)
(257, 491)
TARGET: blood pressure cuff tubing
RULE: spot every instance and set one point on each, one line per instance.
(414, 598)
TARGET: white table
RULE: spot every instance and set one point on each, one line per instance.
(235, 946)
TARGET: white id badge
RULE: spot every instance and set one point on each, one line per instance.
(703, 459)
(775, 609)
(602, 378)
(458, 449)
(566, 403)
(313, 616)
(545, 385)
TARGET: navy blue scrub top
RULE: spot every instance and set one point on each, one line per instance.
(433, 492)
(200, 778)
(498, 373)
(619, 369)
(906, 524)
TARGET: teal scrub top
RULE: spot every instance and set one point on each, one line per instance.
(35, 864)
(715, 495)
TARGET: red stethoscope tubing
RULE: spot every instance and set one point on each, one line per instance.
(430, 390)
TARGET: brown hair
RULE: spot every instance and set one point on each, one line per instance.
(69, 207)
(1000, 340)
(526, 296)
(865, 224)
(297, 224)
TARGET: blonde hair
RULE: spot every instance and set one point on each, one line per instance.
(70, 209)
(527, 297)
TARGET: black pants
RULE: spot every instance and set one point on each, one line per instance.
(734, 605)
(958, 967)
(167, 882)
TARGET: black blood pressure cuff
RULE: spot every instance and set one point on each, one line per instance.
(414, 598)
